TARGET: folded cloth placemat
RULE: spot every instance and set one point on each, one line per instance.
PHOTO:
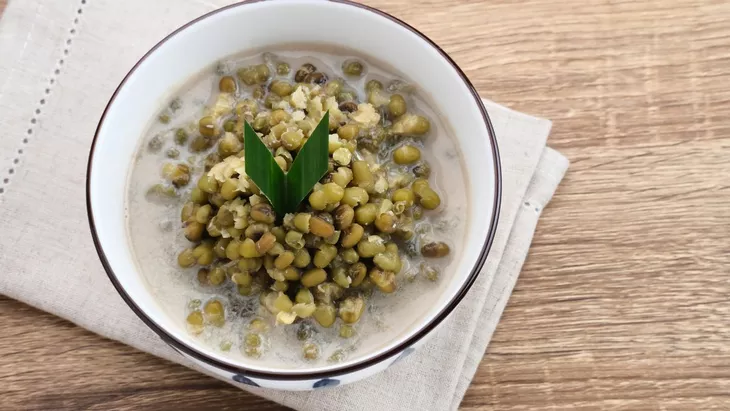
(60, 63)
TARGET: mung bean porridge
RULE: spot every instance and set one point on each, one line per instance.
(380, 231)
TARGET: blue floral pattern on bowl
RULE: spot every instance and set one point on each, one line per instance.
(244, 380)
(408, 351)
(327, 382)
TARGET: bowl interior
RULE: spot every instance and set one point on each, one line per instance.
(263, 25)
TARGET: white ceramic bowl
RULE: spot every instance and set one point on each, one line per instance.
(267, 24)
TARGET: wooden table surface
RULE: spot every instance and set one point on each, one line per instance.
(623, 302)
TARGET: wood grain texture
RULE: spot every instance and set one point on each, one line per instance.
(623, 302)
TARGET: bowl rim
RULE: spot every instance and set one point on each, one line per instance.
(190, 351)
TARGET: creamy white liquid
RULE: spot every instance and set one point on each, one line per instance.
(157, 238)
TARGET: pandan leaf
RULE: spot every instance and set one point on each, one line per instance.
(286, 191)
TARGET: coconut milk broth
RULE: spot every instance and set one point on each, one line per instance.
(156, 235)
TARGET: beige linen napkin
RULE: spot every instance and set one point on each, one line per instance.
(60, 63)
